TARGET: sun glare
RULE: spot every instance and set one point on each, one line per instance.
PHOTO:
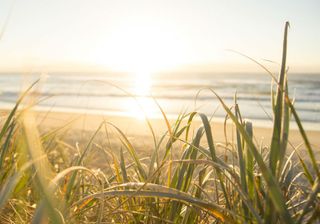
(142, 51)
(140, 48)
(142, 83)
(143, 105)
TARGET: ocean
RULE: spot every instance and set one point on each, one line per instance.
(128, 95)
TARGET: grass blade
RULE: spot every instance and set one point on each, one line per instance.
(274, 189)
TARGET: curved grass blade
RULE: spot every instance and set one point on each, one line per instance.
(79, 161)
(304, 137)
(160, 191)
(14, 110)
(131, 151)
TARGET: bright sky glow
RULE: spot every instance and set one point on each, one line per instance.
(156, 35)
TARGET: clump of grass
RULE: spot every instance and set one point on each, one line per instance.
(42, 182)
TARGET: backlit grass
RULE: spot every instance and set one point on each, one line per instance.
(182, 180)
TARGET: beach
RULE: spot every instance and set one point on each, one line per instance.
(126, 95)
(159, 112)
(80, 126)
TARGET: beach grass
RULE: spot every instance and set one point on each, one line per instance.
(184, 178)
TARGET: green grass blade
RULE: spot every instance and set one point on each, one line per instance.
(183, 175)
(131, 151)
(208, 132)
(5, 146)
(274, 189)
(14, 110)
(285, 129)
(123, 167)
(241, 160)
(249, 160)
(8, 187)
(304, 137)
(278, 111)
(79, 161)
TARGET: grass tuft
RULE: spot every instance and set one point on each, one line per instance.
(185, 179)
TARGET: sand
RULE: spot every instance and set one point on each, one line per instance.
(75, 131)
(80, 126)
(138, 128)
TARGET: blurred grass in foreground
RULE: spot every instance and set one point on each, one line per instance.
(44, 179)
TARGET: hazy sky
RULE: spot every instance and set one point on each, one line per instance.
(152, 35)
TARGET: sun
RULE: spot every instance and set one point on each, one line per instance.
(140, 48)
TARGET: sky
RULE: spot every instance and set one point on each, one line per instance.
(156, 35)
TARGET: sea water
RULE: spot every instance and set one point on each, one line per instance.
(135, 95)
